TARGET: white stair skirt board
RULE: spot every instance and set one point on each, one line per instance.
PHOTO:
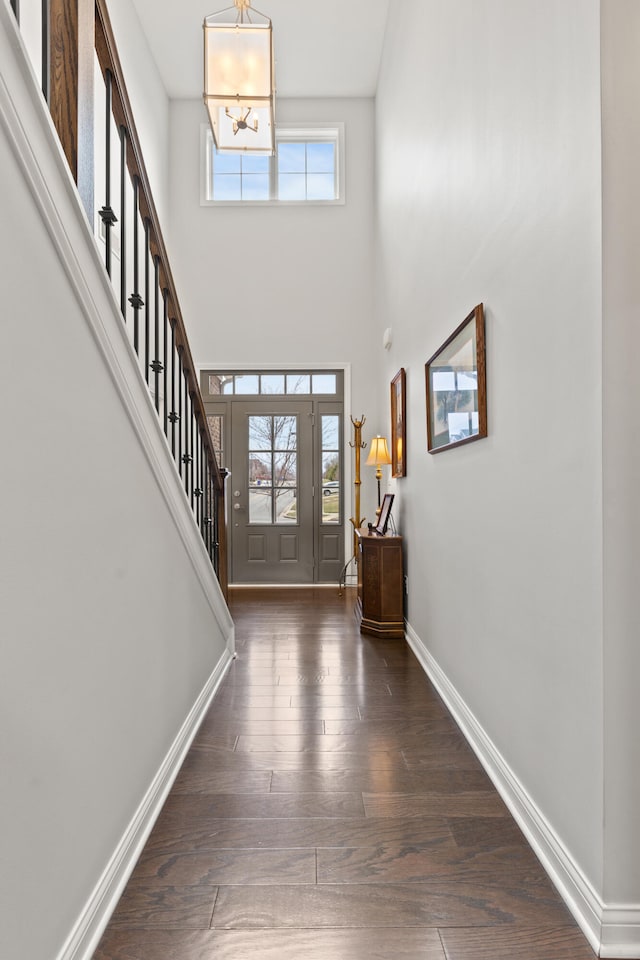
(85, 936)
(29, 129)
(612, 930)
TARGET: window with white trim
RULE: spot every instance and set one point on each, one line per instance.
(307, 168)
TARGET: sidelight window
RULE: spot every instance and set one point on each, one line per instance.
(331, 508)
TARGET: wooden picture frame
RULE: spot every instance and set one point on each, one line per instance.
(456, 387)
(398, 429)
(385, 513)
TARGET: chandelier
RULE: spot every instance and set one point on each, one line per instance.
(239, 83)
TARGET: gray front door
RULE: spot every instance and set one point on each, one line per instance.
(280, 433)
(271, 492)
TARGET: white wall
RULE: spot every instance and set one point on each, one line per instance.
(488, 188)
(149, 101)
(621, 214)
(289, 285)
(112, 622)
(282, 285)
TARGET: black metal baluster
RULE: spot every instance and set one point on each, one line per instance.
(186, 456)
(205, 504)
(216, 531)
(147, 282)
(180, 419)
(45, 46)
(106, 213)
(197, 481)
(194, 477)
(203, 485)
(206, 522)
(201, 479)
(156, 365)
(192, 451)
(173, 416)
(123, 221)
(165, 404)
(212, 520)
(135, 299)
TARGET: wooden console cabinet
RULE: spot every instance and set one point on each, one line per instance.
(380, 604)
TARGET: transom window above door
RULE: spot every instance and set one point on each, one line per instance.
(274, 384)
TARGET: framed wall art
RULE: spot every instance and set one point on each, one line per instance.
(456, 387)
(385, 513)
(398, 431)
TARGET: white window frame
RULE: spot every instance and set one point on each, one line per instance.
(290, 131)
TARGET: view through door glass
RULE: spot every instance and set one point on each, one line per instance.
(273, 469)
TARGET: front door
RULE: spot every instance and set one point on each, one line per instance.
(271, 492)
(280, 434)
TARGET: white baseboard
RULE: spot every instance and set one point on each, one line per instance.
(83, 939)
(612, 931)
(621, 931)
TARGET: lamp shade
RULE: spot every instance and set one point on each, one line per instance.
(379, 452)
(239, 89)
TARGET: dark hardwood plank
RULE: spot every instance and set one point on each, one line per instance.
(485, 834)
(215, 741)
(228, 866)
(441, 750)
(223, 781)
(323, 760)
(240, 806)
(165, 905)
(381, 944)
(241, 698)
(306, 712)
(177, 835)
(391, 708)
(518, 942)
(434, 805)
(426, 862)
(376, 684)
(440, 904)
(312, 744)
(410, 726)
(351, 780)
(349, 697)
(266, 727)
(306, 760)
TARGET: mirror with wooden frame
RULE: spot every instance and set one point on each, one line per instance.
(456, 387)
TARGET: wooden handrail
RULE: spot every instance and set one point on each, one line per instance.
(109, 60)
(76, 28)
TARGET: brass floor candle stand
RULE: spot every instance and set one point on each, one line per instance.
(357, 445)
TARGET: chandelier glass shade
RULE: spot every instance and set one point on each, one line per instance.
(239, 81)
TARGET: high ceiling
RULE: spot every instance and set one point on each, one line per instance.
(323, 48)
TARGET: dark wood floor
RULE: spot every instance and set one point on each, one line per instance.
(329, 809)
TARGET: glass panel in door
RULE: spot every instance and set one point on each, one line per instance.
(272, 469)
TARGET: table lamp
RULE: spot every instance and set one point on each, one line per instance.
(378, 454)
